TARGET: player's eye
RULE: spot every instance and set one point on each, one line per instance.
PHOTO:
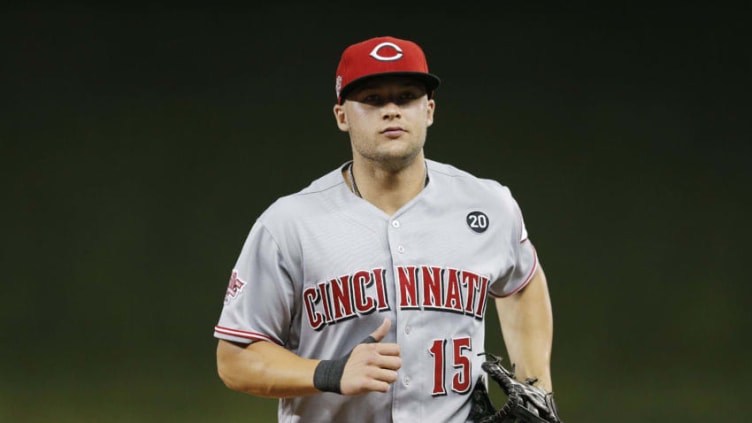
(377, 99)
(406, 97)
(373, 99)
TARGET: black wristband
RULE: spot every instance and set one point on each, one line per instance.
(328, 374)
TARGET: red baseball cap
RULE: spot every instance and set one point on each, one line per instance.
(382, 56)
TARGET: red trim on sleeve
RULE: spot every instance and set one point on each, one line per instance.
(253, 336)
(527, 279)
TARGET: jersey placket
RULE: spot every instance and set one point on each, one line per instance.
(406, 389)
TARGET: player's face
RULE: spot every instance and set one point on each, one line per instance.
(387, 119)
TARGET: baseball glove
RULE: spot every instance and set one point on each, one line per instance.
(525, 402)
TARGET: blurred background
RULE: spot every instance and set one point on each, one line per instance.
(138, 145)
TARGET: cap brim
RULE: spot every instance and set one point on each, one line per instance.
(430, 80)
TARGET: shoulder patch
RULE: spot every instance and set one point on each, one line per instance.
(234, 287)
(477, 221)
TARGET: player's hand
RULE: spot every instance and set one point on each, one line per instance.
(372, 366)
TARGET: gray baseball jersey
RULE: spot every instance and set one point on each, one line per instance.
(322, 268)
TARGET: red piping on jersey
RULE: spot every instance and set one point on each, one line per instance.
(527, 279)
(254, 336)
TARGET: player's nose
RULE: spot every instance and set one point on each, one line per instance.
(391, 110)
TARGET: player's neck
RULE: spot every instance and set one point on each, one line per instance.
(387, 189)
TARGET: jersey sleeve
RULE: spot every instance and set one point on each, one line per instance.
(258, 302)
(524, 259)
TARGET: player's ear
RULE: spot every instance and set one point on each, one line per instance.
(431, 107)
(341, 117)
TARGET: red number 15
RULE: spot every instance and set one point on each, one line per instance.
(461, 380)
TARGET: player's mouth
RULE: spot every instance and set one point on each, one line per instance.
(393, 132)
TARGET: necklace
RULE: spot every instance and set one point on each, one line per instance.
(354, 186)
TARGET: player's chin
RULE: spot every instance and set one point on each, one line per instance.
(400, 154)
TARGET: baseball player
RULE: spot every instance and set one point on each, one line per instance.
(362, 298)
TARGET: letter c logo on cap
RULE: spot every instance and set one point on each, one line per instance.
(375, 52)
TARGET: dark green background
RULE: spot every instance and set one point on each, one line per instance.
(139, 145)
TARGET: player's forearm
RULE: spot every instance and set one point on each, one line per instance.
(265, 369)
(527, 324)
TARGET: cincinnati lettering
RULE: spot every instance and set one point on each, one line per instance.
(419, 287)
(345, 297)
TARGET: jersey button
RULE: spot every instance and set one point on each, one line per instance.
(395, 223)
(401, 249)
(408, 329)
(406, 380)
